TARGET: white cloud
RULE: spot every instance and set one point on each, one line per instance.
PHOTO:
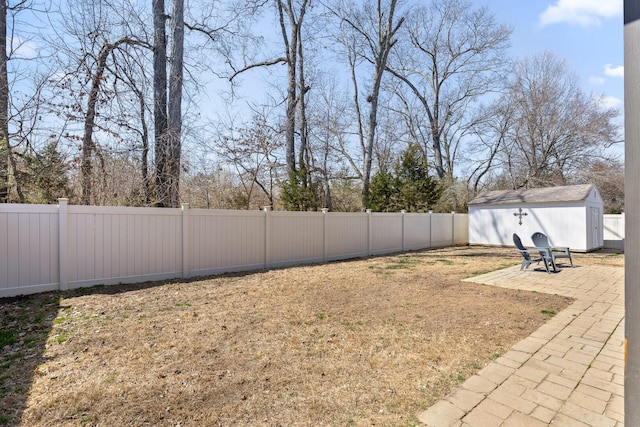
(581, 12)
(597, 80)
(58, 77)
(22, 49)
(610, 101)
(612, 71)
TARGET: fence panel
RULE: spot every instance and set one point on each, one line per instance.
(347, 235)
(442, 229)
(45, 247)
(225, 241)
(460, 229)
(417, 233)
(386, 233)
(116, 244)
(614, 227)
(295, 238)
(614, 230)
(28, 249)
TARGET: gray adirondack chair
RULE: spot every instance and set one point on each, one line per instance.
(541, 241)
(528, 257)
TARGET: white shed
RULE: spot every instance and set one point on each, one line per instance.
(569, 215)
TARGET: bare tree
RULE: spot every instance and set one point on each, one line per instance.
(347, 39)
(88, 144)
(218, 36)
(329, 121)
(490, 134)
(253, 153)
(8, 164)
(608, 176)
(94, 42)
(369, 34)
(129, 70)
(451, 55)
(552, 127)
(136, 82)
(292, 40)
(291, 15)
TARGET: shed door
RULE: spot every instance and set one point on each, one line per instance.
(595, 228)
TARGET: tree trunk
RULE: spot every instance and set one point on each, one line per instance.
(371, 130)
(437, 150)
(88, 146)
(290, 124)
(145, 149)
(387, 31)
(291, 52)
(7, 161)
(160, 99)
(175, 104)
(4, 107)
(168, 109)
(302, 103)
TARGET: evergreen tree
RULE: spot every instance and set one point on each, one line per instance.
(415, 188)
(408, 188)
(381, 192)
(300, 193)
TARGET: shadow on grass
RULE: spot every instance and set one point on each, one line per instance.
(25, 324)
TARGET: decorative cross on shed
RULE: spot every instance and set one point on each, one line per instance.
(520, 214)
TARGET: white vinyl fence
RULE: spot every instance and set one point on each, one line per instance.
(51, 247)
(613, 232)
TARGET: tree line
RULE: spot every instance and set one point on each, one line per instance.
(386, 105)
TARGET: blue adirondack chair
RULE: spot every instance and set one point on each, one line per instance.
(529, 258)
(541, 242)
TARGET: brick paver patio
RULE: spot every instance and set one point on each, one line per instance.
(570, 372)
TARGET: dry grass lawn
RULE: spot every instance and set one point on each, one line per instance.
(357, 343)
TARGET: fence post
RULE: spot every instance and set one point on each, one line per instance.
(324, 234)
(62, 244)
(430, 228)
(185, 240)
(267, 235)
(453, 228)
(368, 232)
(403, 212)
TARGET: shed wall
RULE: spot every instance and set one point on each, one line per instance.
(565, 225)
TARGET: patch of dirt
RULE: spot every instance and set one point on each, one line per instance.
(365, 342)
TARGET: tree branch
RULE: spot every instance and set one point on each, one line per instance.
(280, 60)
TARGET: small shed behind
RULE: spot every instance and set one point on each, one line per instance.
(569, 215)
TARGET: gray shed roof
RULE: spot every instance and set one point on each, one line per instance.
(567, 193)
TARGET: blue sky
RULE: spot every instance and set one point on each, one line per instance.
(588, 34)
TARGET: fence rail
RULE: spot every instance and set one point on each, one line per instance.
(51, 247)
